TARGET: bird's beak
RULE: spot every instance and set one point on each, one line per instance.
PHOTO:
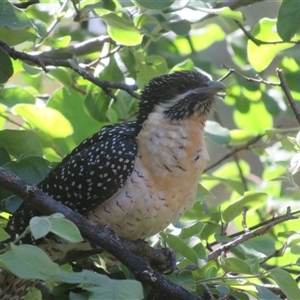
(213, 87)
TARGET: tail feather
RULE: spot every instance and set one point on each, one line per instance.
(12, 287)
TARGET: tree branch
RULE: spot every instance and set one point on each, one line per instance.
(96, 236)
(43, 62)
(235, 151)
(251, 234)
(87, 47)
(258, 42)
(288, 94)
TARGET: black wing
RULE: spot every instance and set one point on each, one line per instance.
(89, 175)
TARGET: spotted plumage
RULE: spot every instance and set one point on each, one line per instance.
(136, 177)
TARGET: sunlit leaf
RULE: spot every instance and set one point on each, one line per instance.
(240, 136)
(261, 56)
(245, 120)
(46, 119)
(122, 30)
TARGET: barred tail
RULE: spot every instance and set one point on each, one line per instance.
(12, 287)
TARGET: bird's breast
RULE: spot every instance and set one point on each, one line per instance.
(163, 184)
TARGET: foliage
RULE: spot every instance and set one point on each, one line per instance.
(251, 137)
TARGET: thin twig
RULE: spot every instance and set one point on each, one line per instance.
(236, 150)
(52, 25)
(84, 48)
(43, 62)
(251, 234)
(258, 42)
(288, 94)
(258, 79)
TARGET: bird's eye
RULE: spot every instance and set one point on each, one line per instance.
(182, 87)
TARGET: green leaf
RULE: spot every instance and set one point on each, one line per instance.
(31, 168)
(185, 279)
(286, 283)
(251, 200)
(217, 133)
(102, 287)
(233, 264)
(180, 247)
(20, 142)
(4, 156)
(3, 235)
(194, 230)
(258, 247)
(288, 19)
(122, 30)
(29, 262)
(39, 227)
(239, 136)
(148, 67)
(245, 120)
(46, 119)
(70, 105)
(117, 290)
(65, 229)
(261, 56)
(181, 27)
(97, 105)
(6, 70)
(15, 95)
(15, 27)
(264, 293)
(162, 4)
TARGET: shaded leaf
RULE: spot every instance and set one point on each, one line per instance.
(65, 229)
(288, 19)
(20, 142)
(3, 235)
(162, 4)
(29, 262)
(217, 133)
(6, 70)
(251, 200)
(180, 247)
(264, 293)
(15, 27)
(286, 283)
(39, 227)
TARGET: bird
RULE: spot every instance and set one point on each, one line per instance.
(136, 177)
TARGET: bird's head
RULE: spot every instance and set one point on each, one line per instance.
(179, 95)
